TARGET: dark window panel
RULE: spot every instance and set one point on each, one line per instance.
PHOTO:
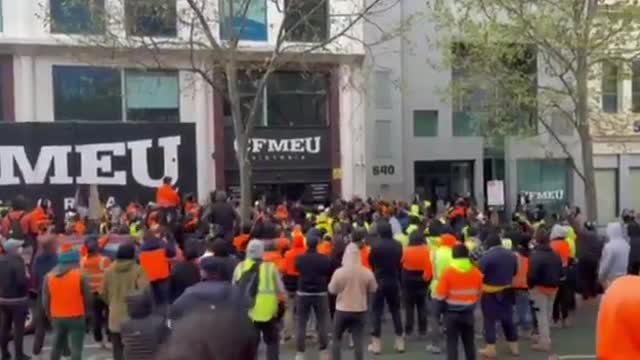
(77, 16)
(306, 20)
(151, 18)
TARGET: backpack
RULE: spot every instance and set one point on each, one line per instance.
(15, 228)
(246, 288)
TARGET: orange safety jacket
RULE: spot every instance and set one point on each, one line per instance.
(194, 211)
(166, 197)
(617, 337)
(94, 268)
(297, 249)
(520, 280)
(365, 251)
(417, 258)
(562, 248)
(66, 297)
(460, 289)
(325, 248)
(240, 243)
(156, 264)
(276, 258)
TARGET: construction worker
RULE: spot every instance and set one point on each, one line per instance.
(66, 297)
(561, 247)
(94, 266)
(273, 255)
(617, 335)
(241, 241)
(459, 290)
(168, 200)
(192, 214)
(441, 261)
(15, 225)
(325, 247)
(499, 266)
(520, 287)
(290, 279)
(154, 259)
(359, 237)
(416, 276)
(269, 296)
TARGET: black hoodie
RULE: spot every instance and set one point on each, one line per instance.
(386, 256)
(633, 230)
(143, 334)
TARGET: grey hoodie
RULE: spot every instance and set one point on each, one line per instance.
(615, 255)
(352, 282)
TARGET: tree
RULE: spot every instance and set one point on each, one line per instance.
(540, 58)
(154, 32)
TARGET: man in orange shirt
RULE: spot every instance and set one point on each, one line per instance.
(290, 280)
(561, 247)
(617, 319)
(416, 276)
(168, 200)
(94, 266)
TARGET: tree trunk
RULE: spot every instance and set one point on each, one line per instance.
(244, 167)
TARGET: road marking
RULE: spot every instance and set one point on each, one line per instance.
(87, 346)
(568, 357)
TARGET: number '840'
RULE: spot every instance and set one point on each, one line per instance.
(384, 170)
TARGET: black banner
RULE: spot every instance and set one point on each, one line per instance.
(125, 160)
(283, 149)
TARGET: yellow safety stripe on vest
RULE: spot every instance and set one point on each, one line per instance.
(460, 302)
(465, 292)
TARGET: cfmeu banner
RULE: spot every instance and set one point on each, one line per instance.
(124, 160)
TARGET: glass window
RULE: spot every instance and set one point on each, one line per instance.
(545, 181)
(463, 124)
(297, 99)
(383, 89)
(244, 19)
(152, 96)
(383, 146)
(560, 125)
(77, 16)
(425, 123)
(247, 83)
(635, 87)
(87, 93)
(607, 195)
(610, 87)
(306, 20)
(151, 17)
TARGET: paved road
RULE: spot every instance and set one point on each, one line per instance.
(577, 342)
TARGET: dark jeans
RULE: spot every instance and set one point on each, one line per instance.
(634, 267)
(460, 326)
(562, 302)
(320, 306)
(588, 278)
(415, 300)
(12, 316)
(498, 307)
(118, 346)
(270, 333)
(389, 293)
(161, 294)
(100, 315)
(68, 331)
(352, 322)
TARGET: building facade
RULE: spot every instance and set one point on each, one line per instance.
(432, 151)
(308, 143)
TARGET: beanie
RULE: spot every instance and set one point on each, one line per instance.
(255, 249)
(68, 255)
(126, 251)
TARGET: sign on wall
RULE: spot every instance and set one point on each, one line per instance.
(495, 193)
(125, 160)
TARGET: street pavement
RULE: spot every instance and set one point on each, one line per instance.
(576, 342)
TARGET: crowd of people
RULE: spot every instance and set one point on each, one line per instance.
(296, 273)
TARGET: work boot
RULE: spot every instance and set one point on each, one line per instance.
(488, 352)
(433, 348)
(513, 348)
(324, 355)
(541, 347)
(399, 345)
(299, 356)
(375, 347)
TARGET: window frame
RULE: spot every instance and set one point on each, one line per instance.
(132, 20)
(605, 93)
(224, 25)
(92, 28)
(389, 154)
(426, 113)
(302, 36)
(125, 106)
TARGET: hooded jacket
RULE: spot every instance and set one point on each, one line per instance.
(143, 334)
(291, 273)
(352, 282)
(499, 266)
(545, 268)
(315, 271)
(442, 258)
(121, 279)
(615, 255)
(13, 280)
(416, 263)
(588, 246)
(386, 256)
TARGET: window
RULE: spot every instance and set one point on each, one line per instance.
(297, 99)
(610, 87)
(607, 195)
(635, 87)
(383, 146)
(635, 187)
(151, 17)
(87, 93)
(244, 19)
(306, 20)
(425, 123)
(152, 96)
(545, 181)
(560, 125)
(77, 16)
(383, 89)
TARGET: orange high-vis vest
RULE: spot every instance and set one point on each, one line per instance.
(156, 264)
(276, 258)
(325, 248)
(66, 297)
(617, 337)
(520, 280)
(418, 258)
(460, 288)
(166, 196)
(94, 267)
(365, 251)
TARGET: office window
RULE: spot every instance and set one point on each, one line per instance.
(244, 19)
(151, 17)
(425, 123)
(306, 20)
(383, 89)
(87, 93)
(297, 99)
(546, 181)
(383, 148)
(77, 16)
(610, 87)
(152, 96)
(635, 87)
(607, 195)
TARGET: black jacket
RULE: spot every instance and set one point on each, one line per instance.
(633, 230)
(205, 294)
(14, 286)
(545, 267)
(315, 272)
(386, 256)
(589, 246)
(143, 334)
(183, 275)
